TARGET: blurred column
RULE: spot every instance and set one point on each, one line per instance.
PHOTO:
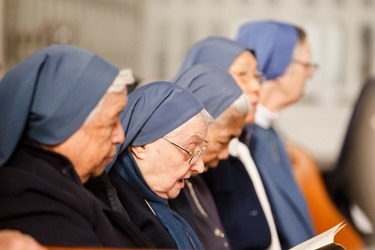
(2, 37)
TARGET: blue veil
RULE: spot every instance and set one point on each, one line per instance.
(214, 87)
(49, 95)
(273, 43)
(215, 50)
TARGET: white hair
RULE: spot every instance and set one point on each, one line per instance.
(240, 105)
(203, 115)
(125, 77)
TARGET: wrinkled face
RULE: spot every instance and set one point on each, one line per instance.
(244, 71)
(229, 126)
(93, 145)
(292, 82)
(164, 166)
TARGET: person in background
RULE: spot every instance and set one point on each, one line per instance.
(229, 107)
(60, 124)
(284, 56)
(165, 127)
(235, 184)
(239, 61)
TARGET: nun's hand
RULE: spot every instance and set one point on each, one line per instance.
(14, 240)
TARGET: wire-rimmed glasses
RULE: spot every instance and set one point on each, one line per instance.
(308, 65)
(193, 156)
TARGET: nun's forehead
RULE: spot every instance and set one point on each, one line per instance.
(155, 110)
(192, 131)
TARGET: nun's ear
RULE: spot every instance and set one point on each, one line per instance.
(138, 152)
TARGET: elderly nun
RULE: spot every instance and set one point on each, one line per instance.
(227, 180)
(59, 126)
(165, 129)
(229, 108)
(284, 55)
(233, 57)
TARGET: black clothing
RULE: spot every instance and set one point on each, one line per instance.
(202, 207)
(41, 195)
(238, 205)
(103, 189)
(141, 214)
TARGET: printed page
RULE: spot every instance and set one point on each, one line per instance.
(324, 239)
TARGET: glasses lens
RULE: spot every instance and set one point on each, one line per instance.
(261, 77)
(198, 154)
(314, 67)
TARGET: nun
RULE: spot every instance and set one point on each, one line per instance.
(284, 55)
(165, 129)
(229, 108)
(235, 183)
(60, 126)
(232, 57)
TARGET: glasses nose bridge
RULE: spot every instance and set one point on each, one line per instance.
(196, 155)
(181, 148)
(261, 77)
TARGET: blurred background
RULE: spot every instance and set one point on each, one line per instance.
(153, 36)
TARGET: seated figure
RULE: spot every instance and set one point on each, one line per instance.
(60, 126)
(165, 127)
(229, 106)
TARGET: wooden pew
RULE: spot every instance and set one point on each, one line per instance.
(323, 211)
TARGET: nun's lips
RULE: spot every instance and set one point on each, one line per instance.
(182, 180)
(109, 158)
(181, 183)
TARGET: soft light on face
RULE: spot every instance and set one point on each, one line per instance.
(165, 166)
(93, 145)
(292, 82)
(244, 71)
(219, 136)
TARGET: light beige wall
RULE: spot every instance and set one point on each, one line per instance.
(103, 26)
(334, 28)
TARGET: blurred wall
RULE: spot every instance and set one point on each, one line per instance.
(153, 36)
(107, 27)
(2, 25)
(342, 34)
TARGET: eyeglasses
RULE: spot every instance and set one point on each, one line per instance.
(307, 65)
(193, 156)
(261, 77)
(246, 77)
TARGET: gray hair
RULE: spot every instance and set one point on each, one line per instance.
(240, 105)
(203, 115)
(125, 77)
(301, 34)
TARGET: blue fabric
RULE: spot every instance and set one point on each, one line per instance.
(212, 86)
(218, 51)
(287, 203)
(48, 96)
(273, 43)
(154, 110)
(177, 227)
